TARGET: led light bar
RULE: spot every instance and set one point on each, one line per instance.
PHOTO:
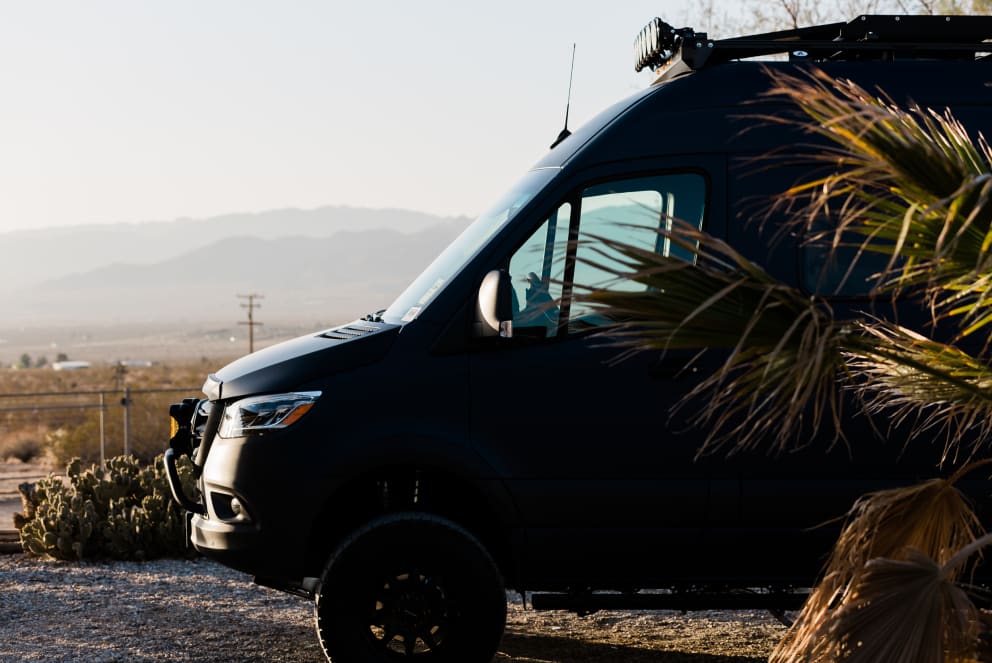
(876, 37)
(655, 44)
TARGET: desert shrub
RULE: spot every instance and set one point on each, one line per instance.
(76, 432)
(122, 512)
(24, 448)
(149, 431)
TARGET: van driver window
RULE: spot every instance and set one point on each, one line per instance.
(633, 212)
(536, 271)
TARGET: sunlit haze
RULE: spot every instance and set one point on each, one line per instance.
(120, 111)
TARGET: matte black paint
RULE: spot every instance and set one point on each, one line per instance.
(573, 467)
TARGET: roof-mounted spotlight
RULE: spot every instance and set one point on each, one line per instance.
(655, 44)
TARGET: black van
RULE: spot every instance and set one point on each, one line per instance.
(403, 468)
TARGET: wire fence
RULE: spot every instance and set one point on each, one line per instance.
(103, 400)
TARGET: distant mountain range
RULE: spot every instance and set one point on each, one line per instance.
(332, 262)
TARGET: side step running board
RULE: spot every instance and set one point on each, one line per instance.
(587, 603)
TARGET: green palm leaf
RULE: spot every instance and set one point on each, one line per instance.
(784, 348)
(788, 355)
(934, 386)
(911, 184)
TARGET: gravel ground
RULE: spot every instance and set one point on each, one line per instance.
(173, 610)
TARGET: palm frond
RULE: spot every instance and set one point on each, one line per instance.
(908, 183)
(899, 611)
(784, 348)
(888, 592)
(787, 355)
(934, 387)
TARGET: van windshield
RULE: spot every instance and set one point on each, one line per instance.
(446, 266)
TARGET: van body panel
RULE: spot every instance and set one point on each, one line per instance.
(575, 463)
(288, 364)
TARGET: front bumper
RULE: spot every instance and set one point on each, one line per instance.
(230, 543)
(239, 546)
(227, 542)
(258, 498)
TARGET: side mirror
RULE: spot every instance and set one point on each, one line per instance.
(494, 307)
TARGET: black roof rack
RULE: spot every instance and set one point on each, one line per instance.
(869, 37)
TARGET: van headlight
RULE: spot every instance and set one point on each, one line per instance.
(261, 414)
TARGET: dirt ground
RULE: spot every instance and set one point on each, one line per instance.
(638, 637)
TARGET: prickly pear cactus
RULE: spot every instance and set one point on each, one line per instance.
(122, 512)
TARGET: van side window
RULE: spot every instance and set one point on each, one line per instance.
(537, 271)
(842, 271)
(631, 211)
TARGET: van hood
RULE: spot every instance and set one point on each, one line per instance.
(288, 365)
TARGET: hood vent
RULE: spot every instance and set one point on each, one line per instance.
(350, 331)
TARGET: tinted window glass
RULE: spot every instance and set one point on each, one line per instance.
(439, 273)
(537, 270)
(633, 212)
(844, 271)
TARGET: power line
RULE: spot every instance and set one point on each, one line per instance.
(251, 306)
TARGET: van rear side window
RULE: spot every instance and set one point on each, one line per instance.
(843, 271)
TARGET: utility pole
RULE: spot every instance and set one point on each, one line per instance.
(126, 402)
(120, 377)
(251, 306)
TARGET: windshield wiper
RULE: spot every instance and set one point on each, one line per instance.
(374, 317)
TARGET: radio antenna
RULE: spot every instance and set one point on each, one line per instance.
(565, 133)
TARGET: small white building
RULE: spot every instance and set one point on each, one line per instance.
(69, 365)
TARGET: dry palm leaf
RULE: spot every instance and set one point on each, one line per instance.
(888, 589)
(899, 611)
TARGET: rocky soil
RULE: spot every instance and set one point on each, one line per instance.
(172, 610)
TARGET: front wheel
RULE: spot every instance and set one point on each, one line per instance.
(410, 587)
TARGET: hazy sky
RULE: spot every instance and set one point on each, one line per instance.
(135, 110)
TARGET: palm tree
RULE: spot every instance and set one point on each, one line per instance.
(908, 184)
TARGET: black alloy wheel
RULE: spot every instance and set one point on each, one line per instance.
(411, 587)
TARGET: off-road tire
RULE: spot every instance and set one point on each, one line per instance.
(410, 587)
